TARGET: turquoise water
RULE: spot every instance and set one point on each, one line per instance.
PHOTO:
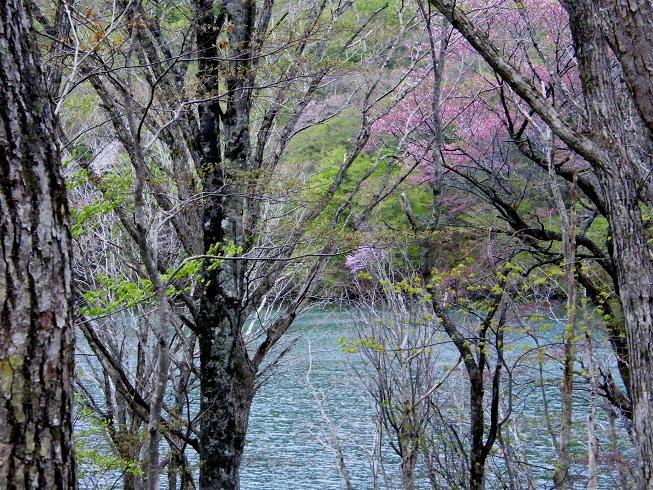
(287, 426)
(317, 385)
(284, 448)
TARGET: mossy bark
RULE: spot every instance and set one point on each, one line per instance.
(36, 325)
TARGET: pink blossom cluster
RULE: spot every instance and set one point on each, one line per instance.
(362, 258)
(471, 112)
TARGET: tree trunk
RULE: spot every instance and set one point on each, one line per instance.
(629, 29)
(619, 179)
(227, 374)
(36, 323)
(477, 450)
(408, 463)
(635, 270)
(227, 389)
(409, 442)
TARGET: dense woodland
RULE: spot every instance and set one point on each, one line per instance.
(464, 184)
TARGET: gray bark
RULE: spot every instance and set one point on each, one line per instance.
(226, 374)
(36, 323)
(629, 30)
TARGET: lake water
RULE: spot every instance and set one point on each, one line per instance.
(286, 448)
(316, 385)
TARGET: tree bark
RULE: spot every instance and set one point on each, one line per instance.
(227, 389)
(36, 323)
(619, 178)
(226, 375)
(629, 29)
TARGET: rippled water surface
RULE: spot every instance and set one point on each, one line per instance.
(316, 392)
(287, 442)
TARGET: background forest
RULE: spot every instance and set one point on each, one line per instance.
(341, 243)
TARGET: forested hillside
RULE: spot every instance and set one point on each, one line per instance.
(326, 244)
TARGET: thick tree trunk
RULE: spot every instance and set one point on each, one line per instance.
(227, 389)
(620, 180)
(635, 271)
(227, 374)
(36, 326)
(629, 29)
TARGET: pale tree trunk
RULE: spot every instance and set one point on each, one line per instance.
(150, 261)
(158, 394)
(516, 457)
(568, 218)
(592, 441)
(407, 431)
(36, 323)
(333, 439)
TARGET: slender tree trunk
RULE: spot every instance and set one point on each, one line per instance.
(561, 474)
(333, 437)
(36, 325)
(156, 402)
(150, 260)
(409, 440)
(477, 450)
(592, 441)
